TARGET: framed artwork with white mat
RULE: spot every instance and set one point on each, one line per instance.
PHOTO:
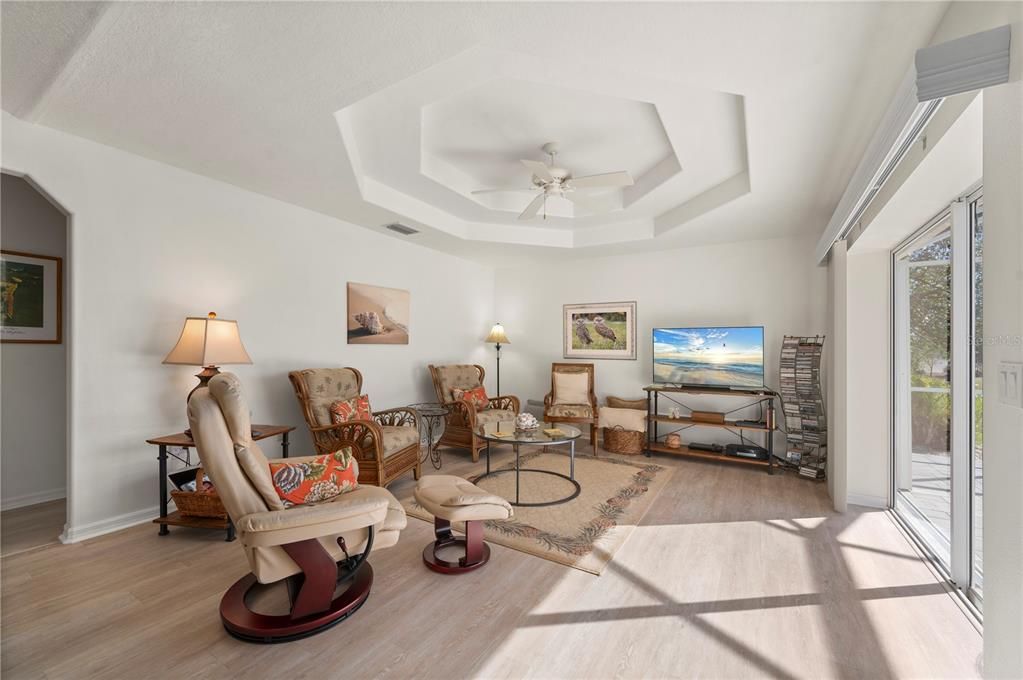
(602, 330)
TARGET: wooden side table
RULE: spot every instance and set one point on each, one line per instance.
(184, 441)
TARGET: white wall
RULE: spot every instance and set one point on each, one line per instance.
(153, 244)
(34, 398)
(867, 427)
(1003, 341)
(838, 466)
(771, 283)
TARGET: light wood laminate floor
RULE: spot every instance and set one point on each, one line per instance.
(31, 527)
(732, 574)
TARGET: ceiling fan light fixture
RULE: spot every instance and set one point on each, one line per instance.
(551, 179)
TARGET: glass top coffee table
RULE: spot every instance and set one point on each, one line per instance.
(505, 433)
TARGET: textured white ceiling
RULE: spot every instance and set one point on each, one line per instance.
(248, 92)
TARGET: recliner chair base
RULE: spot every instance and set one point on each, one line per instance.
(245, 624)
(477, 552)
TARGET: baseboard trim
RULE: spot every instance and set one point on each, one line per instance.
(867, 500)
(13, 502)
(74, 534)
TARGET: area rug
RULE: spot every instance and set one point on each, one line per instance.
(583, 533)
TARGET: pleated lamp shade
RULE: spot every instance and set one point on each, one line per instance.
(497, 335)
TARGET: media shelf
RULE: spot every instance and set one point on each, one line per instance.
(754, 396)
(727, 425)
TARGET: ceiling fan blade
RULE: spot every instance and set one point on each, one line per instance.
(494, 191)
(533, 208)
(608, 179)
(539, 169)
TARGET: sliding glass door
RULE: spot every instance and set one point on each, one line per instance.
(938, 291)
(923, 306)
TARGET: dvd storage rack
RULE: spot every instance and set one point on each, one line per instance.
(806, 424)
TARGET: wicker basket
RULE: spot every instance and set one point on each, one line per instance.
(198, 503)
(619, 440)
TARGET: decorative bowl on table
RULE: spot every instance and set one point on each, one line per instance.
(526, 422)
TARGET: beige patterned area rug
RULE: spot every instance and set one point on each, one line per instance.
(585, 532)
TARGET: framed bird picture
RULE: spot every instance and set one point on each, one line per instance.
(605, 330)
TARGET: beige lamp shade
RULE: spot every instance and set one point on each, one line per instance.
(497, 335)
(208, 341)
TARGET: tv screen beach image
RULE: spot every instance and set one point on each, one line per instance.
(710, 356)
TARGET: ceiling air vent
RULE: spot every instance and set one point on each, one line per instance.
(401, 229)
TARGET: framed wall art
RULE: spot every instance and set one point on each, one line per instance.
(377, 315)
(604, 330)
(30, 298)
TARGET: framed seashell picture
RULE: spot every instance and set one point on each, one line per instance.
(377, 315)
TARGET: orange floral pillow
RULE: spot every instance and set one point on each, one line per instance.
(356, 408)
(477, 396)
(324, 477)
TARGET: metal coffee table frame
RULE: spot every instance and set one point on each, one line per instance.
(517, 441)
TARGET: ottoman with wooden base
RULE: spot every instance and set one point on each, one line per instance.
(453, 499)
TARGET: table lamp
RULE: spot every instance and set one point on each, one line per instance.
(208, 342)
(498, 337)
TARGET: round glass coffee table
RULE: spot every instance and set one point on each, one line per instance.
(505, 433)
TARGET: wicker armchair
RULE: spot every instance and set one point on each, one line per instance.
(557, 411)
(386, 446)
(462, 421)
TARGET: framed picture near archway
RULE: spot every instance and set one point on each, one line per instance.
(604, 330)
(30, 298)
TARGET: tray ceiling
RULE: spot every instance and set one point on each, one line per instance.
(738, 121)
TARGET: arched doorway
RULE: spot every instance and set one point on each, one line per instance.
(34, 356)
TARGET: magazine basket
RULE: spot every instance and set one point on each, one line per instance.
(199, 503)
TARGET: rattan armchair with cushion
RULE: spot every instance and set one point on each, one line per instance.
(572, 399)
(462, 422)
(316, 549)
(386, 446)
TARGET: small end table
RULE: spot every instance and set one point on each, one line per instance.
(431, 414)
(184, 441)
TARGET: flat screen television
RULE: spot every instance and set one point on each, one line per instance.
(718, 356)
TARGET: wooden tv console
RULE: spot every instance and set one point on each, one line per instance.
(755, 396)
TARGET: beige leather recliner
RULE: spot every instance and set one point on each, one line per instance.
(316, 547)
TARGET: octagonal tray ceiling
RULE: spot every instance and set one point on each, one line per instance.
(421, 147)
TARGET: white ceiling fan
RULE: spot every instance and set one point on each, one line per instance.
(551, 180)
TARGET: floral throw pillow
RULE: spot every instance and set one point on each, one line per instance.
(477, 396)
(324, 477)
(356, 408)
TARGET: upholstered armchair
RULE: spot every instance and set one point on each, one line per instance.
(315, 549)
(462, 422)
(386, 446)
(572, 399)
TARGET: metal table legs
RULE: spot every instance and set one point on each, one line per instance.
(518, 469)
